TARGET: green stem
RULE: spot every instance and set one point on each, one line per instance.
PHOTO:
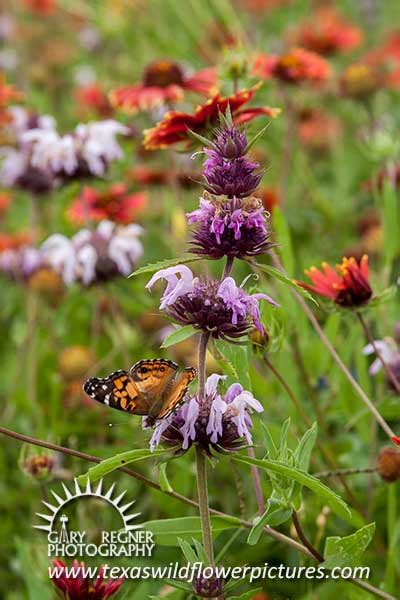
(204, 509)
(201, 365)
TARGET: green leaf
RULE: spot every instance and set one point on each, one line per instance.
(238, 357)
(272, 450)
(164, 264)
(273, 515)
(303, 451)
(163, 478)
(179, 335)
(284, 239)
(109, 465)
(199, 138)
(167, 531)
(246, 595)
(320, 489)
(187, 551)
(284, 279)
(342, 551)
(391, 216)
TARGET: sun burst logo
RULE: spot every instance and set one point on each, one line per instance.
(87, 492)
(132, 540)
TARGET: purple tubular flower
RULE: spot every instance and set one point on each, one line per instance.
(222, 309)
(227, 170)
(219, 422)
(235, 178)
(230, 143)
(236, 228)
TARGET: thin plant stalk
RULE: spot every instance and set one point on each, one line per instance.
(304, 539)
(201, 465)
(391, 376)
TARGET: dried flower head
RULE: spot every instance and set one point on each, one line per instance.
(388, 463)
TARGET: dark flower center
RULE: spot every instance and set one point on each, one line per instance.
(162, 73)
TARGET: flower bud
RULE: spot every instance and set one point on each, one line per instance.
(259, 340)
(74, 362)
(37, 464)
(48, 284)
(388, 463)
(208, 587)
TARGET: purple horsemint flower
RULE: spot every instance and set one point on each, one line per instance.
(222, 309)
(219, 422)
(93, 256)
(236, 228)
(227, 171)
(44, 159)
(20, 263)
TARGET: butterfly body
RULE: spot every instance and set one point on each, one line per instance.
(153, 387)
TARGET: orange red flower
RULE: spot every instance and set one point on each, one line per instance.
(8, 94)
(93, 98)
(114, 204)
(41, 7)
(295, 66)
(347, 286)
(163, 82)
(318, 130)
(387, 58)
(175, 125)
(327, 32)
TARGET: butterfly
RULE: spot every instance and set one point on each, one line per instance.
(153, 387)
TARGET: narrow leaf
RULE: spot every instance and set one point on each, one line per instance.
(320, 489)
(109, 465)
(164, 264)
(179, 335)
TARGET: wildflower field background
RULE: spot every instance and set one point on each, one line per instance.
(168, 171)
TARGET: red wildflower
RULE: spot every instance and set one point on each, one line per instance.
(41, 7)
(163, 82)
(114, 204)
(81, 587)
(270, 197)
(14, 241)
(175, 125)
(5, 200)
(93, 98)
(348, 286)
(328, 32)
(144, 175)
(387, 58)
(7, 94)
(296, 66)
(318, 130)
